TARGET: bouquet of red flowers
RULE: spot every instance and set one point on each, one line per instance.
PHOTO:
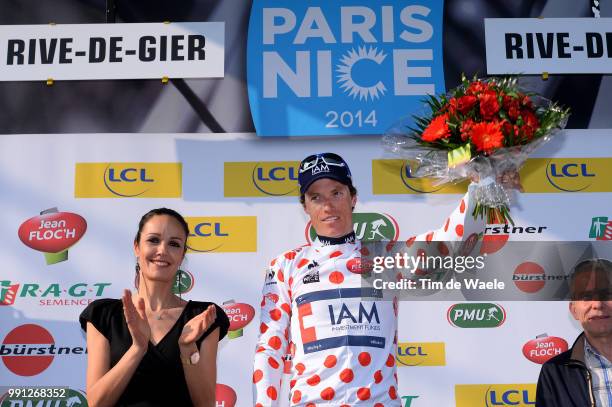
(484, 128)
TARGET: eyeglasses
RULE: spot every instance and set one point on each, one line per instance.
(328, 158)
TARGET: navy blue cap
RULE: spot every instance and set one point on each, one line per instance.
(323, 165)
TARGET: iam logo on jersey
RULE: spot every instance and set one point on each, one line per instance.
(343, 317)
(351, 67)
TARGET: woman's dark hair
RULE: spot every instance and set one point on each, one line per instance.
(351, 188)
(161, 211)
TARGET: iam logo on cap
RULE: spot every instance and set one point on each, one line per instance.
(543, 348)
(392, 177)
(260, 179)
(328, 68)
(53, 233)
(491, 395)
(128, 180)
(222, 234)
(225, 396)
(240, 315)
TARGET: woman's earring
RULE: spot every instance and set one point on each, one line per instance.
(137, 275)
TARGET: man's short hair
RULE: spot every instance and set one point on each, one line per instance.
(603, 285)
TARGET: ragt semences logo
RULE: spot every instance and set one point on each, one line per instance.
(352, 67)
(53, 233)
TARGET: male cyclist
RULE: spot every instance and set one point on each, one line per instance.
(343, 341)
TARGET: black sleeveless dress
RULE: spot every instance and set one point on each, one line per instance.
(159, 379)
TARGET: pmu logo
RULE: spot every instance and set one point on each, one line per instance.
(421, 354)
(183, 282)
(53, 233)
(368, 227)
(327, 68)
(516, 395)
(58, 397)
(476, 315)
(569, 176)
(261, 178)
(29, 349)
(225, 396)
(240, 315)
(222, 234)
(601, 228)
(128, 180)
(78, 294)
(544, 347)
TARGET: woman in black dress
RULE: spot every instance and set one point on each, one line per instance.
(153, 348)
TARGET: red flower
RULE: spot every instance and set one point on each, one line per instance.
(476, 87)
(509, 129)
(487, 136)
(451, 106)
(466, 129)
(489, 105)
(465, 103)
(511, 105)
(437, 129)
(526, 102)
(530, 119)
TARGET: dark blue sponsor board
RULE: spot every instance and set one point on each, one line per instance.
(351, 67)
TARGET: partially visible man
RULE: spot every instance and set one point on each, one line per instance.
(582, 376)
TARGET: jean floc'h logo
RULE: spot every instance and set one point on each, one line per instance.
(325, 68)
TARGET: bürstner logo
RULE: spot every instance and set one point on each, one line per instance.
(476, 315)
(29, 350)
(601, 228)
(544, 347)
(239, 315)
(54, 294)
(321, 67)
(53, 233)
(368, 227)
